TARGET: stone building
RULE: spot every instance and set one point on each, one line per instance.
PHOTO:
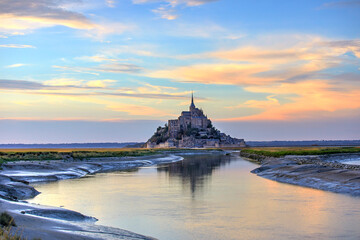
(192, 129)
(194, 118)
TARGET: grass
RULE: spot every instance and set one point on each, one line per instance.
(6, 220)
(7, 155)
(283, 151)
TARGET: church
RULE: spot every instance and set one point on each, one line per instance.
(193, 118)
(192, 129)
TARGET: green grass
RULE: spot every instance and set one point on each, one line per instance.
(10, 155)
(281, 152)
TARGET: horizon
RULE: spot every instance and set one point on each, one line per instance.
(108, 71)
(69, 143)
(112, 129)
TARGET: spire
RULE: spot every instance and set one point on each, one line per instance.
(192, 101)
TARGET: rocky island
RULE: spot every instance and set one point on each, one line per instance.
(192, 129)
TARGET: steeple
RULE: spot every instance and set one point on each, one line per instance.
(192, 106)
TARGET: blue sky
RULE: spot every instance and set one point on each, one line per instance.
(283, 66)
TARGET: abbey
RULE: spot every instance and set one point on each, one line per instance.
(191, 129)
(194, 118)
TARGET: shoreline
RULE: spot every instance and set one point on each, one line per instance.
(321, 172)
(48, 222)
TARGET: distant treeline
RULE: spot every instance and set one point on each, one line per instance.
(303, 143)
(71, 145)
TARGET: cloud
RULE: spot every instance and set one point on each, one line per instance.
(54, 84)
(311, 99)
(226, 74)
(299, 59)
(154, 89)
(193, 2)
(189, 3)
(110, 3)
(167, 9)
(113, 94)
(270, 102)
(108, 67)
(16, 46)
(20, 84)
(105, 28)
(137, 110)
(15, 65)
(99, 83)
(303, 77)
(80, 88)
(27, 15)
(165, 13)
(98, 58)
(20, 17)
(64, 82)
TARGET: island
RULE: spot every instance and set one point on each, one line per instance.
(192, 129)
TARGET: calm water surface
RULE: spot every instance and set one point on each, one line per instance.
(207, 197)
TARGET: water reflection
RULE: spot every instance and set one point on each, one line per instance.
(207, 197)
(195, 171)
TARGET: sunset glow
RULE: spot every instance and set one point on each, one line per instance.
(250, 64)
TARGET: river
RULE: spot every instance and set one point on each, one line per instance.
(206, 197)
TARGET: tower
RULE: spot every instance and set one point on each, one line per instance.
(192, 106)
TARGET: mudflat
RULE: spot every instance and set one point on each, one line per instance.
(35, 221)
(325, 172)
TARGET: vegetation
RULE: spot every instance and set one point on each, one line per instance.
(12, 155)
(5, 235)
(6, 156)
(281, 152)
(161, 135)
(192, 131)
(6, 220)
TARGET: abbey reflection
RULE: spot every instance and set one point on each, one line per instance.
(196, 170)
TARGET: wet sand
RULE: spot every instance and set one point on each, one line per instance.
(35, 221)
(326, 172)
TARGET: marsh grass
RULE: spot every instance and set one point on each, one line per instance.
(8, 234)
(6, 220)
(281, 152)
(7, 155)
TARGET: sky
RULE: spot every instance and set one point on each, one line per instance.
(114, 70)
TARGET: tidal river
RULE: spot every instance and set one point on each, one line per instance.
(206, 197)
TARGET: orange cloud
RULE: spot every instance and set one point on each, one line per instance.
(313, 97)
(217, 74)
(270, 102)
(265, 63)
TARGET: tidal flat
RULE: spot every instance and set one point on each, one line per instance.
(181, 195)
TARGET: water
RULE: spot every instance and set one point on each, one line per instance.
(354, 161)
(207, 197)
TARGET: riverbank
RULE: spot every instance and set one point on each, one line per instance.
(324, 171)
(35, 221)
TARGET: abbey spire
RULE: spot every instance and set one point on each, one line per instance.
(192, 106)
